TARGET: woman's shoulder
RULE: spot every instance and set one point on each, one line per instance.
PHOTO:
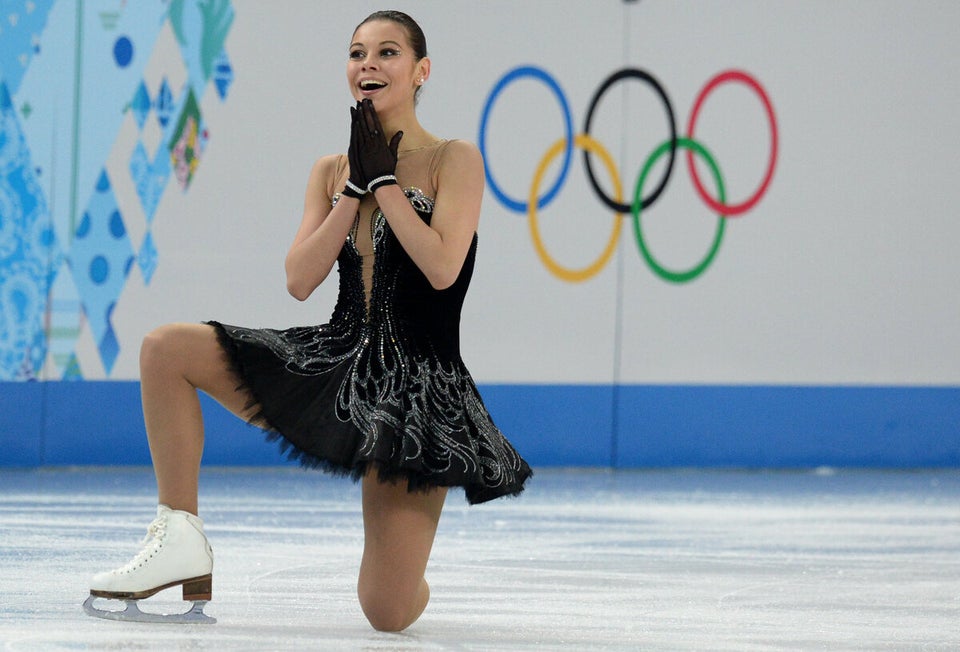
(459, 154)
(330, 164)
(457, 161)
(460, 147)
(328, 170)
(328, 174)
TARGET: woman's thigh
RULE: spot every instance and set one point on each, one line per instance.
(193, 352)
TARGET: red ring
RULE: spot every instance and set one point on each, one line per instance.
(729, 210)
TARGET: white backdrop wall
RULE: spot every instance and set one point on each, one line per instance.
(842, 274)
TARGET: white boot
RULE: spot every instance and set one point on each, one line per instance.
(175, 552)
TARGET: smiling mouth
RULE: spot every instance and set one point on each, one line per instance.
(371, 85)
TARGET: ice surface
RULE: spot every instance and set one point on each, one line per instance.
(672, 560)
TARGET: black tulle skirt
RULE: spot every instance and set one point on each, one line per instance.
(348, 403)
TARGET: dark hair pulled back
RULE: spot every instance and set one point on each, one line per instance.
(417, 40)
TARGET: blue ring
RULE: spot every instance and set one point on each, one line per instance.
(503, 82)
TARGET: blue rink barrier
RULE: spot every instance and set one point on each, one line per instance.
(618, 426)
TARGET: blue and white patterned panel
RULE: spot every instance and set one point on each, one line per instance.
(100, 260)
(150, 177)
(201, 29)
(21, 24)
(65, 316)
(28, 253)
(147, 258)
(223, 75)
(71, 74)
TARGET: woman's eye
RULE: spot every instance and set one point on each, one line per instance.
(356, 55)
(389, 52)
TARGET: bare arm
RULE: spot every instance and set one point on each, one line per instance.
(439, 249)
(322, 231)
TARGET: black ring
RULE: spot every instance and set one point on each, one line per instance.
(644, 76)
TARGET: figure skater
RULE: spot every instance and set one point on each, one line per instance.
(380, 392)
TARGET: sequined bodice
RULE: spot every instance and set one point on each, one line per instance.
(382, 291)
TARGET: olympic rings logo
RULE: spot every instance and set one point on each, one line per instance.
(639, 202)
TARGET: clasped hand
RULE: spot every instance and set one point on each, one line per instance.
(373, 161)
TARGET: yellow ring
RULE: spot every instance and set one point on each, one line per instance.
(574, 275)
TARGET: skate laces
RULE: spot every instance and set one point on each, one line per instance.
(149, 545)
(155, 530)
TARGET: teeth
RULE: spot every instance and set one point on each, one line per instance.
(370, 84)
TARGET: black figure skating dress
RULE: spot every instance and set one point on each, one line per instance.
(382, 383)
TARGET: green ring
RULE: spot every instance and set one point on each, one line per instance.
(660, 270)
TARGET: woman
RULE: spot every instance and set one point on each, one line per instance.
(380, 392)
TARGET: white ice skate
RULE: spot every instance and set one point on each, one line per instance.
(175, 553)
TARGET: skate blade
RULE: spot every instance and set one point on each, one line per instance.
(132, 613)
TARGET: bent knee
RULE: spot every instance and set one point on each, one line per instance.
(390, 611)
(162, 349)
(155, 347)
(386, 615)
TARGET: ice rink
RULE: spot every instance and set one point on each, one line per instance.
(652, 560)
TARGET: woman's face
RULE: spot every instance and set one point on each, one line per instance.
(382, 66)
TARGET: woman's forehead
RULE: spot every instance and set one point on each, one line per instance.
(377, 31)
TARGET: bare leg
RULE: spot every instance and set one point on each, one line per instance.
(399, 528)
(175, 361)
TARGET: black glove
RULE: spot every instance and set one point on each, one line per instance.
(356, 183)
(378, 160)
